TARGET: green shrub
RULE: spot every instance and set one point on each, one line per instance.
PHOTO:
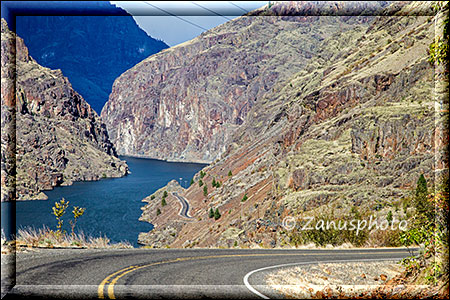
(158, 211)
(77, 212)
(230, 174)
(59, 210)
(163, 202)
(328, 232)
(431, 231)
(205, 190)
(211, 213)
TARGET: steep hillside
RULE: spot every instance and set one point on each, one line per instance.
(184, 103)
(91, 50)
(344, 135)
(50, 135)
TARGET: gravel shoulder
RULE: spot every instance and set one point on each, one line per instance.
(334, 280)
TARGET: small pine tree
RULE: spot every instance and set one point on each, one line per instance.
(420, 200)
(218, 184)
(152, 197)
(200, 182)
(211, 213)
(163, 202)
(158, 211)
(202, 174)
(213, 182)
(230, 174)
(205, 191)
(244, 198)
(165, 194)
(217, 214)
(192, 181)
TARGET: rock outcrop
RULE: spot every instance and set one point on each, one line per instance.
(50, 135)
(184, 103)
(354, 131)
(92, 50)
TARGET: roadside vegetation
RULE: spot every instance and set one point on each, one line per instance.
(426, 212)
(429, 228)
(420, 213)
(48, 238)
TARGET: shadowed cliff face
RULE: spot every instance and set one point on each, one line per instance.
(353, 130)
(55, 136)
(184, 103)
(92, 51)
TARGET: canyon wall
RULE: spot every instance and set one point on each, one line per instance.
(50, 134)
(92, 49)
(184, 103)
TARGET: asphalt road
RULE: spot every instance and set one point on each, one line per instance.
(184, 205)
(164, 273)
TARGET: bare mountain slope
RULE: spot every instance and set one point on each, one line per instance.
(344, 136)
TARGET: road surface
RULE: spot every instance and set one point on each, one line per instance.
(184, 206)
(168, 273)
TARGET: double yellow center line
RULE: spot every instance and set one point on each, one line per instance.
(112, 279)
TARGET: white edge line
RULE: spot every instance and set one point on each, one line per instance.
(253, 290)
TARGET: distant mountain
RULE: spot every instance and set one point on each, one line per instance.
(50, 135)
(183, 104)
(92, 51)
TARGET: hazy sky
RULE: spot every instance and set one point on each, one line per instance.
(175, 22)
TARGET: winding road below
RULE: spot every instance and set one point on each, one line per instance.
(184, 206)
(168, 273)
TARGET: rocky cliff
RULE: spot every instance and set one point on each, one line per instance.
(349, 133)
(184, 103)
(50, 135)
(92, 50)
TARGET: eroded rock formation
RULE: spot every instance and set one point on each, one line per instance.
(50, 135)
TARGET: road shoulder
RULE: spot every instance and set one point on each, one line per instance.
(343, 280)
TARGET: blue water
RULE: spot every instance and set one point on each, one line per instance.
(113, 206)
